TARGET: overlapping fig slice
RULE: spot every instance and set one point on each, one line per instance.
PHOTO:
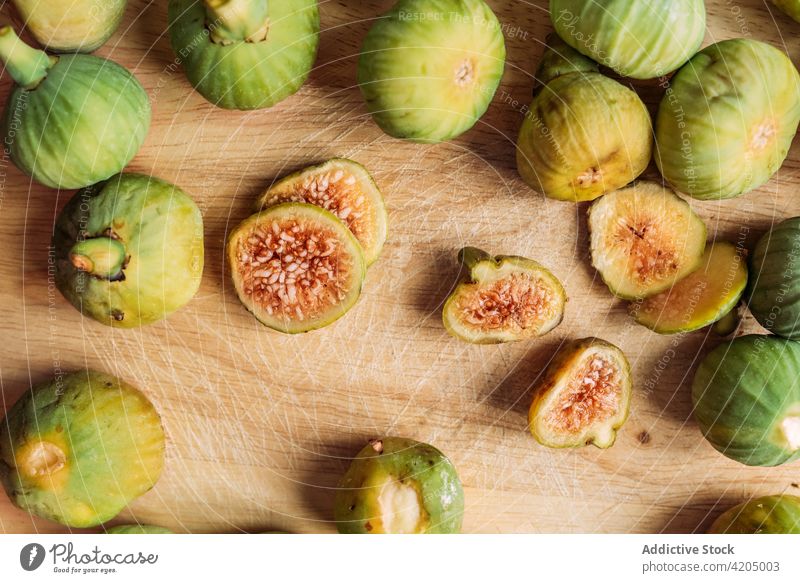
(506, 299)
(346, 189)
(583, 397)
(296, 267)
(644, 238)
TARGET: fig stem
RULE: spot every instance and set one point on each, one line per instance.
(471, 256)
(231, 21)
(26, 65)
(103, 257)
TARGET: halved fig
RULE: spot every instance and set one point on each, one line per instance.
(701, 298)
(583, 396)
(296, 267)
(506, 299)
(346, 189)
(644, 238)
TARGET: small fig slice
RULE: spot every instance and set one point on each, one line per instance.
(346, 189)
(701, 298)
(399, 486)
(506, 299)
(644, 238)
(583, 396)
(296, 267)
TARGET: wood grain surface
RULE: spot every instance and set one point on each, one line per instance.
(261, 425)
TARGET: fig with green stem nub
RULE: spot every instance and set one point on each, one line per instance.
(245, 54)
(72, 120)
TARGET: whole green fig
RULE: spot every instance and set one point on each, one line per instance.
(129, 251)
(765, 515)
(67, 26)
(72, 120)
(245, 54)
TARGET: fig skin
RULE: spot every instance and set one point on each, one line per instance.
(138, 529)
(234, 72)
(71, 26)
(565, 363)
(482, 268)
(404, 463)
(642, 40)
(789, 7)
(73, 120)
(370, 228)
(764, 515)
(161, 230)
(584, 134)
(727, 121)
(429, 69)
(79, 448)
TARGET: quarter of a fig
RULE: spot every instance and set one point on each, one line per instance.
(644, 239)
(506, 299)
(346, 189)
(296, 267)
(399, 486)
(703, 297)
(429, 68)
(583, 397)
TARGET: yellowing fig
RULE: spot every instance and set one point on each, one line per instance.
(583, 397)
(644, 239)
(506, 299)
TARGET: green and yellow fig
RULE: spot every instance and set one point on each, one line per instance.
(346, 189)
(727, 121)
(245, 54)
(583, 397)
(746, 396)
(764, 515)
(584, 134)
(79, 448)
(429, 68)
(138, 529)
(129, 251)
(296, 266)
(68, 26)
(643, 39)
(399, 486)
(790, 7)
(71, 120)
(506, 299)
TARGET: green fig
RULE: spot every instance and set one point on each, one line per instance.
(79, 448)
(764, 515)
(72, 120)
(138, 529)
(429, 68)
(399, 486)
(129, 251)
(245, 54)
(790, 7)
(68, 26)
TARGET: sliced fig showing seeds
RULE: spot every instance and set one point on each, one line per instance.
(296, 267)
(703, 297)
(644, 238)
(506, 299)
(583, 397)
(346, 189)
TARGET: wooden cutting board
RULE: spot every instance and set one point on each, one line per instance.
(261, 426)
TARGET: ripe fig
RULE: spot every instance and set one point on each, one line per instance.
(129, 251)
(790, 7)
(71, 26)
(726, 123)
(644, 239)
(72, 120)
(765, 515)
(79, 448)
(245, 54)
(506, 299)
(344, 188)
(642, 40)
(138, 529)
(584, 134)
(703, 297)
(583, 397)
(296, 267)
(399, 486)
(429, 68)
